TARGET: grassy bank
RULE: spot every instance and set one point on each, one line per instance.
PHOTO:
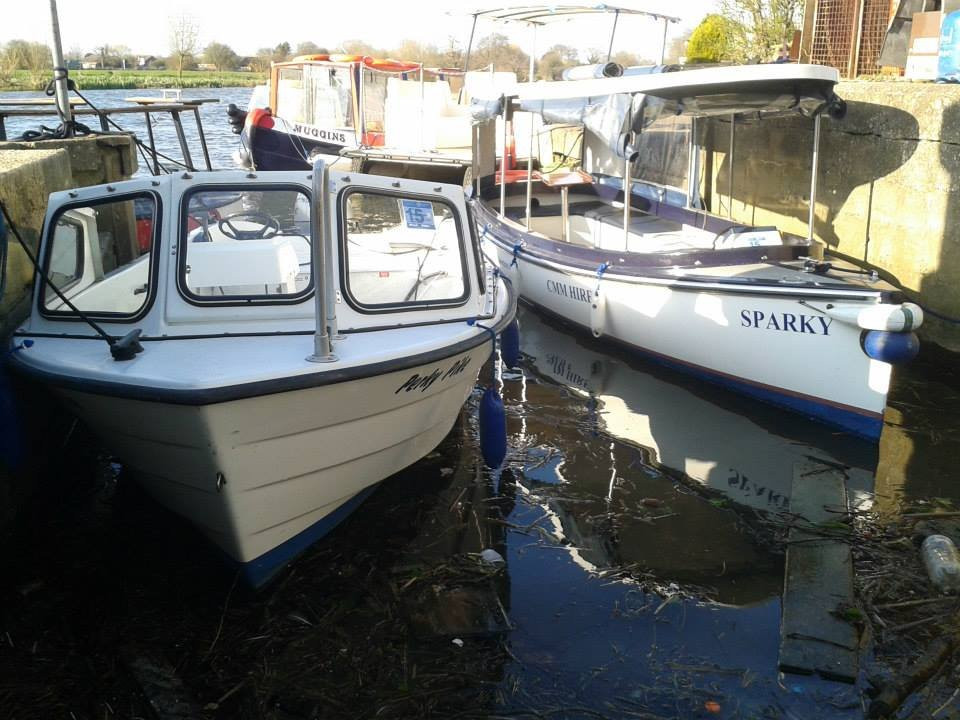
(132, 79)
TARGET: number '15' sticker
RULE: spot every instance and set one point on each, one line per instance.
(418, 214)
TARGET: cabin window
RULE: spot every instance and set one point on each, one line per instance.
(99, 257)
(245, 246)
(402, 251)
(317, 95)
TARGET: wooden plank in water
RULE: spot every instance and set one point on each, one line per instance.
(818, 581)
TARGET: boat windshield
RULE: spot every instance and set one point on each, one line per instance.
(98, 257)
(402, 252)
(318, 95)
(245, 246)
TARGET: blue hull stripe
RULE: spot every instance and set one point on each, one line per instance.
(258, 571)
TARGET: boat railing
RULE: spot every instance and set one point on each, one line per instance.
(146, 106)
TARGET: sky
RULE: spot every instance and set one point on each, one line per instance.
(247, 26)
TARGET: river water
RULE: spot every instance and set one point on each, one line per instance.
(221, 140)
(639, 578)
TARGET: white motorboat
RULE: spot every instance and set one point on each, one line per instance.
(753, 308)
(260, 410)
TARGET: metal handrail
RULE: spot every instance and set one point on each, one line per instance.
(319, 227)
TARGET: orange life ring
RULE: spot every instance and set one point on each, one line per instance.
(387, 65)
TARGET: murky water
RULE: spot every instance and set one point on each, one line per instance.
(640, 574)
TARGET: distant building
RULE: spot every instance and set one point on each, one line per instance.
(145, 60)
(90, 62)
(206, 66)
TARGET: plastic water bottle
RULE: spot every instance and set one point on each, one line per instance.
(942, 561)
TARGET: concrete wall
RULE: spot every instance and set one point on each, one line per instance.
(29, 172)
(888, 184)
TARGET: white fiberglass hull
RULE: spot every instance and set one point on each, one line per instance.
(766, 344)
(265, 476)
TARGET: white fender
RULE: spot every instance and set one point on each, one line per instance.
(894, 318)
(598, 312)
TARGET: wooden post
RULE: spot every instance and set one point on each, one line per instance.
(855, 42)
(806, 35)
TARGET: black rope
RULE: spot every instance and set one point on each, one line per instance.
(49, 283)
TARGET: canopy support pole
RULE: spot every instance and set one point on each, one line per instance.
(319, 227)
(663, 45)
(730, 161)
(503, 161)
(616, 16)
(693, 168)
(813, 175)
(466, 57)
(533, 45)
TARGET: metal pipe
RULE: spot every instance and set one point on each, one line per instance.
(733, 128)
(466, 58)
(813, 175)
(533, 45)
(663, 45)
(693, 167)
(203, 138)
(503, 160)
(422, 100)
(319, 227)
(184, 147)
(60, 75)
(153, 144)
(627, 195)
(613, 31)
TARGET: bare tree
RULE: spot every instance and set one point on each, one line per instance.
(759, 28)
(184, 40)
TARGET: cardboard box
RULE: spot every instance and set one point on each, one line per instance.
(924, 48)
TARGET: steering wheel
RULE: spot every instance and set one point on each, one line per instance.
(269, 226)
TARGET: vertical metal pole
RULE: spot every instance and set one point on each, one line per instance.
(423, 142)
(627, 195)
(813, 175)
(184, 148)
(533, 45)
(60, 74)
(319, 227)
(362, 124)
(466, 58)
(693, 167)
(503, 160)
(730, 160)
(203, 139)
(663, 45)
(613, 31)
(153, 144)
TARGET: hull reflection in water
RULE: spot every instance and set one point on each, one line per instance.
(640, 432)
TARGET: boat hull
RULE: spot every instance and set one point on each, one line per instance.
(768, 346)
(264, 477)
(275, 149)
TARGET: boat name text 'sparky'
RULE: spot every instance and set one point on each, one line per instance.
(422, 382)
(786, 322)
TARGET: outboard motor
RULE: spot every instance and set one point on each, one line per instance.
(236, 117)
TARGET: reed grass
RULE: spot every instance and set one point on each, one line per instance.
(132, 79)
